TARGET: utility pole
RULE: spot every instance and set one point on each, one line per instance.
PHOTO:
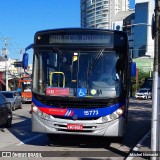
(5, 53)
(6, 60)
(20, 60)
(155, 103)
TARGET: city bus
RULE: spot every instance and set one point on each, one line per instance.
(81, 82)
(24, 85)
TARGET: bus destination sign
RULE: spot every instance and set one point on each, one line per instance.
(100, 39)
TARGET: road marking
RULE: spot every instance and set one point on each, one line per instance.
(30, 139)
(138, 145)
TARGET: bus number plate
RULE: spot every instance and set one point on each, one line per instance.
(74, 126)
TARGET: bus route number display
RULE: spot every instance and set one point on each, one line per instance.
(103, 39)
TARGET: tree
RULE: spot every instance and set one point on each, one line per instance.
(141, 78)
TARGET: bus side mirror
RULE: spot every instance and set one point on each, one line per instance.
(25, 60)
(26, 57)
(133, 69)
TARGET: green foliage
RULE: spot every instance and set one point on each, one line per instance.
(141, 77)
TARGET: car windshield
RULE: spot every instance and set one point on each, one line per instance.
(7, 95)
(76, 73)
(143, 91)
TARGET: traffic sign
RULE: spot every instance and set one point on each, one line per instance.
(18, 64)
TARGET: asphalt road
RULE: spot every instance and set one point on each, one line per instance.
(20, 138)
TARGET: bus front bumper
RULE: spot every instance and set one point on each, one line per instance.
(90, 127)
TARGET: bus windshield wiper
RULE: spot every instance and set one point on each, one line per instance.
(95, 61)
(61, 55)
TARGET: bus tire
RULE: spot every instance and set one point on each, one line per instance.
(106, 141)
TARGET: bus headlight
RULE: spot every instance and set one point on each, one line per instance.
(46, 116)
(105, 119)
(34, 108)
(40, 113)
(119, 111)
(114, 115)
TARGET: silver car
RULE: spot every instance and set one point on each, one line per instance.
(14, 98)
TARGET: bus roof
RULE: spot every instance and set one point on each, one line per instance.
(81, 36)
(25, 78)
(80, 29)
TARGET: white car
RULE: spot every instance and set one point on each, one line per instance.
(144, 93)
(14, 98)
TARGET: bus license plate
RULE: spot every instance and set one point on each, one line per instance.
(74, 126)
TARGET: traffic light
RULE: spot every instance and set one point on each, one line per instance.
(18, 64)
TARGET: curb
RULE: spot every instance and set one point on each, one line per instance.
(138, 145)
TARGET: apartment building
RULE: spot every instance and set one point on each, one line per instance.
(100, 13)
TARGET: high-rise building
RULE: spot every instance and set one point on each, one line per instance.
(100, 13)
(143, 42)
(138, 23)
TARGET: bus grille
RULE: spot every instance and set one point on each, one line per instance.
(84, 118)
(80, 104)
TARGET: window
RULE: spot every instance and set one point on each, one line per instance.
(2, 99)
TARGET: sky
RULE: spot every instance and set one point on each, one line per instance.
(20, 20)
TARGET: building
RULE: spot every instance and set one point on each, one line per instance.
(100, 13)
(115, 14)
(2, 74)
(13, 73)
(137, 23)
(143, 42)
(123, 21)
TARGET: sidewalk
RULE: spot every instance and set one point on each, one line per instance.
(142, 150)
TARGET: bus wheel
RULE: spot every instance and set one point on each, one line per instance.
(106, 142)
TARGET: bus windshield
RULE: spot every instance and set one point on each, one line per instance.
(26, 86)
(73, 73)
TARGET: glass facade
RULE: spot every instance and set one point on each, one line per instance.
(100, 13)
(140, 31)
(94, 13)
